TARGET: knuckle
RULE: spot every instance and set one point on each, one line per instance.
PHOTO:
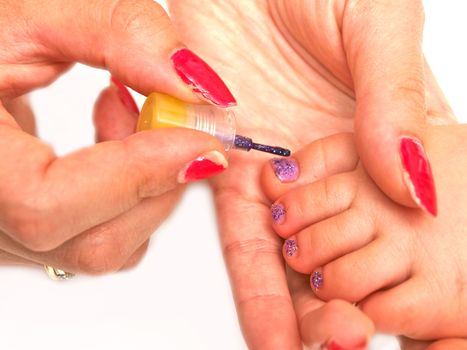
(412, 89)
(338, 191)
(98, 254)
(130, 16)
(252, 247)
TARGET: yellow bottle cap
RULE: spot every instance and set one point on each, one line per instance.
(162, 111)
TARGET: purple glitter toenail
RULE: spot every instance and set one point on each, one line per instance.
(290, 247)
(286, 169)
(317, 279)
(278, 213)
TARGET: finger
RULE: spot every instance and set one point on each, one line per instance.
(134, 40)
(309, 204)
(137, 256)
(21, 110)
(329, 156)
(11, 259)
(43, 195)
(388, 73)
(359, 274)
(328, 240)
(322, 324)
(253, 258)
(115, 115)
(113, 245)
(438, 109)
(108, 247)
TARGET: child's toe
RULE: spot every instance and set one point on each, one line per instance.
(320, 159)
(356, 275)
(309, 204)
(328, 240)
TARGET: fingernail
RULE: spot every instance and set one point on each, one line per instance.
(418, 175)
(203, 167)
(317, 280)
(278, 213)
(290, 246)
(286, 169)
(125, 96)
(334, 345)
(202, 78)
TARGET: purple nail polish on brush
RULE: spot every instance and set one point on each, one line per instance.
(286, 169)
(290, 247)
(278, 213)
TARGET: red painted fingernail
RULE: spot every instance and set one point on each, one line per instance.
(418, 175)
(333, 345)
(202, 78)
(204, 166)
(125, 96)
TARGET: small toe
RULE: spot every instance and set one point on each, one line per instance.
(360, 273)
(309, 204)
(322, 323)
(320, 159)
(328, 240)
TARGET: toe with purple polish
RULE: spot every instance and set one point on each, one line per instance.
(278, 213)
(317, 280)
(291, 247)
(286, 169)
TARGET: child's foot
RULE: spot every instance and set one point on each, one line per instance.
(406, 269)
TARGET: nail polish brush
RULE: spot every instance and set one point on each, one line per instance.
(162, 111)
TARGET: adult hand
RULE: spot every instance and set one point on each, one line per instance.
(372, 50)
(287, 66)
(93, 210)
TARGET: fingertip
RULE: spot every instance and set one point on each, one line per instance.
(112, 119)
(339, 323)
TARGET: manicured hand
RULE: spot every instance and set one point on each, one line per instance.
(293, 72)
(89, 211)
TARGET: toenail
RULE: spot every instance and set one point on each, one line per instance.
(290, 247)
(278, 213)
(286, 169)
(317, 280)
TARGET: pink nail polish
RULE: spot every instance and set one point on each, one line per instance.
(290, 247)
(333, 345)
(125, 96)
(418, 175)
(317, 280)
(278, 213)
(203, 167)
(286, 169)
(202, 78)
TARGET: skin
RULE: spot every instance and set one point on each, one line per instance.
(34, 230)
(130, 179)
(321, 103)
(347, 229)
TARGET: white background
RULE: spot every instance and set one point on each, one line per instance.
(179, 297)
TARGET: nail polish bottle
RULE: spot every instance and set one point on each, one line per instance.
(162, 111)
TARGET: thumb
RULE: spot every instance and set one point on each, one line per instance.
(134, 40)
(383, 41)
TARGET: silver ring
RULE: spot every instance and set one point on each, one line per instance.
(57, 274)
